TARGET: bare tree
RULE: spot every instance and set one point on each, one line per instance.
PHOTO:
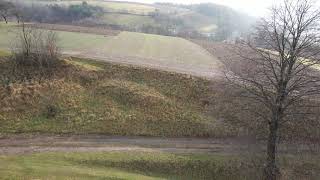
(278, 69)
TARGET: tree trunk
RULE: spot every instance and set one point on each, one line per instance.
(271, 169)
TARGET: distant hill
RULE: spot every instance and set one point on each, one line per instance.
(221, 21)
(207, 20)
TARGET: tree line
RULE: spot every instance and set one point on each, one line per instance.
(48, 13)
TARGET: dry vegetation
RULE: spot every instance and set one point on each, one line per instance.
(90, 97)
(40, 93)
(85, 96)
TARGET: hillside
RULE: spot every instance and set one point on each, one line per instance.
(212, 20)
(101, 89)
(85, 96)
(89, 97)
(201, 20)
(162, 52)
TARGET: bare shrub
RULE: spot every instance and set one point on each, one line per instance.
(36, 48)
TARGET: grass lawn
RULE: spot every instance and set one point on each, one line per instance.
(145, 166)
(166, 50)
(131, 166)
(67, 40)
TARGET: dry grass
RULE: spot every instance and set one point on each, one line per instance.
(93, 97)
(86, 96)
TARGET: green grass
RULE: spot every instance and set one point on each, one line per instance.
(161, 49)
(145, 166)
(65, 166)
(131, 166)
(85, 65)
(4, 53)
(70, 41)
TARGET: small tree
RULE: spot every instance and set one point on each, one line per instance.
(279, 74)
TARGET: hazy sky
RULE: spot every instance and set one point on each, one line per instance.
(252, 7)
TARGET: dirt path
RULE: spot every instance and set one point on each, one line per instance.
(31, 144)
(22, 144)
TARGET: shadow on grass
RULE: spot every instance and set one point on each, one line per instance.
(176, 166)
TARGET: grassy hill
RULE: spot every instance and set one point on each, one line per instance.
(85, 96)
(137, 48)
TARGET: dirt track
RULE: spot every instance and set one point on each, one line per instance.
(95, 143)
(23, 144)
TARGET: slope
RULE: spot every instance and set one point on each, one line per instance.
(163, 52)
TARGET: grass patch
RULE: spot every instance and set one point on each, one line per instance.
(161, 50)
(4, 53)
(85, 65)
(144, 166)
(116, 166)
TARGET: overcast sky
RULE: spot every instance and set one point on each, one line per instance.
(251, 7)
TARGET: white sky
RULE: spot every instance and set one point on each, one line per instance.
(251, 7)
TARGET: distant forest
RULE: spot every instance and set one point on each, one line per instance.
(229, 21)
